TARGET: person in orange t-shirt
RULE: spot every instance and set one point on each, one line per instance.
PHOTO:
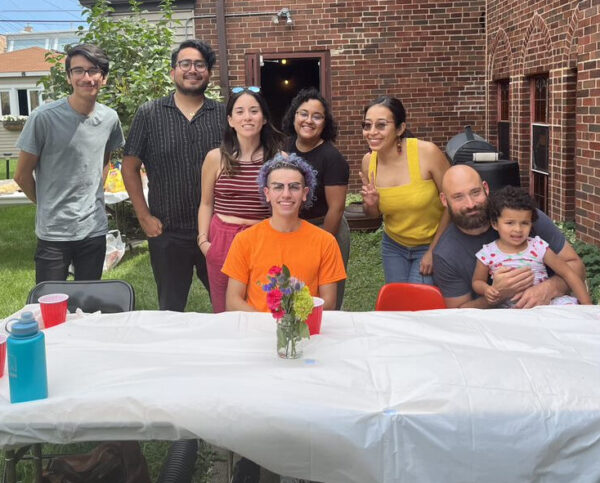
(311, 253)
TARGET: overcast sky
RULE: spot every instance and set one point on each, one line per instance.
(42, 15)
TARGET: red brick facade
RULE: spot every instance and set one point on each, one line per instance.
(559, 39)
(443, 59)
(430, 57)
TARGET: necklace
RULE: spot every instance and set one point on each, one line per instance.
(185, 109)
(304, 148)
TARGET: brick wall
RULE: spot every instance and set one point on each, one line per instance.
(430, 56)
(587, 149)
(561, 39)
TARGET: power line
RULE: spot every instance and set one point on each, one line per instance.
(14, 25)
(34, 11)
(43, 21)
(56, 6)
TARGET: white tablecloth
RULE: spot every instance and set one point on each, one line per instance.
(453, 396)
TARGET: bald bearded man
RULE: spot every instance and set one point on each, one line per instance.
(466, 197)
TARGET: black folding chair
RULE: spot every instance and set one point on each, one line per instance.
(107, 296)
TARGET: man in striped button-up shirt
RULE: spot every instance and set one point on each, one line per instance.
(171, 137)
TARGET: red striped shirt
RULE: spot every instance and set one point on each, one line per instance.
(238, 195)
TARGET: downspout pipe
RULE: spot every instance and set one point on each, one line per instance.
(222, 48)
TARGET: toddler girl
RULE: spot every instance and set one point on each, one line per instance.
(512, 213)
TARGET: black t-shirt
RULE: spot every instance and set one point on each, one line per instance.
(332, 170)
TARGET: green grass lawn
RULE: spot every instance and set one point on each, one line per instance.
(17, 274)
(17, 277)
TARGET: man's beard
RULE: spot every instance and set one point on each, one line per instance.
(196, 91)
(470, 222)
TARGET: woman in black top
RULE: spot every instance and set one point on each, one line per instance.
(312, 130)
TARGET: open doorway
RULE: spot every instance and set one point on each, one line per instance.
(282, 76)
(282, 79)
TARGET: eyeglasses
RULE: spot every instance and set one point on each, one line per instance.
(186, 64)
(292, 187)
(317, 118)
(80, 71)
(237, 90)
(379, 125)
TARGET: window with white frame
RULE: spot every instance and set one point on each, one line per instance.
(540, 138)
(62, 42)
(4, 103)
(35, 99)
(28, 100)
(20, 44)
(503, 93)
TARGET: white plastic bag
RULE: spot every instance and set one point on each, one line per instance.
(115, 249)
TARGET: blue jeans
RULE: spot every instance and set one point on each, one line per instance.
(401, 264)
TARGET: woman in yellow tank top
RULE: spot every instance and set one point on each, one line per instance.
(402, 178)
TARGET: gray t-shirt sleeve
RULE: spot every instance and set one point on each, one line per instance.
(33, 135)
(116, 139)
(549, 232)
(448, 278)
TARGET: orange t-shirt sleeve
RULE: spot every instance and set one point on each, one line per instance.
(332, 266)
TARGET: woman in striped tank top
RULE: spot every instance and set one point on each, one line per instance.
(231, 200)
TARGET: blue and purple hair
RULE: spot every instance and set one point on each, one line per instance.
(289, 161)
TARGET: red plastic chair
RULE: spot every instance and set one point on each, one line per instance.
(409, 296)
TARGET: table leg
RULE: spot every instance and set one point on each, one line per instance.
(36, 451)
(10, 466)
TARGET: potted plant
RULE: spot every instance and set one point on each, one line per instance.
(357, 219)
(13, 123)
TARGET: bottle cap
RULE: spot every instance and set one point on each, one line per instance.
(25, 326)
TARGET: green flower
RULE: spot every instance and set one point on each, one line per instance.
(303, 303)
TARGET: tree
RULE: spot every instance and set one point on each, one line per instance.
(139, 53)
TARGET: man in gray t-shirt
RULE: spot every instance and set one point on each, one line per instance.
(67, 143)
(465, 196)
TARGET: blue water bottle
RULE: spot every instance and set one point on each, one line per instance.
(26, 350)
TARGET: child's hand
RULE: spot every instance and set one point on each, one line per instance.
(492, 295)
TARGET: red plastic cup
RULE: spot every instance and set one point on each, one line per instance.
(54, 308)
(2, 353)
(314, 319)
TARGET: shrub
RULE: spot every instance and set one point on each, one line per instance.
(589, 254)
(139, 53)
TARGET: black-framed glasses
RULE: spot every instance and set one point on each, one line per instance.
(80, 71)
(237, 90)
(317, 117)
(293, 187)
(379, 125)
(186, 64)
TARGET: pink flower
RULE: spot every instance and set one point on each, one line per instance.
(274, 271)
(274, 300)
(278, 314)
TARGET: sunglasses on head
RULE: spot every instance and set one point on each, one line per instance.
(237, 90)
